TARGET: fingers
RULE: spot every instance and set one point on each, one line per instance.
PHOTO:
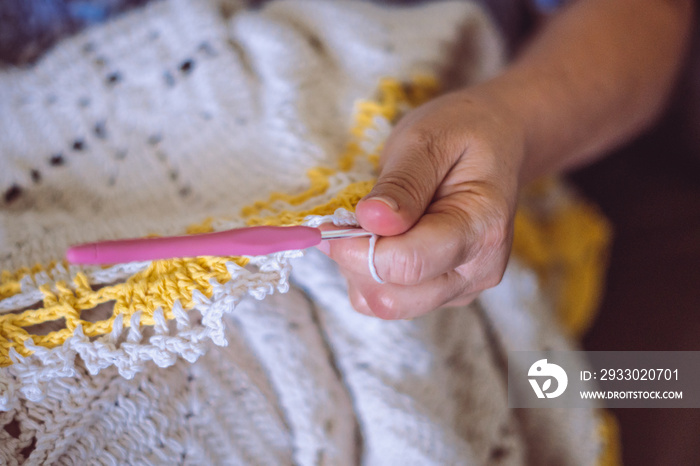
(457, 287)
(393, 302)
(434, 246)
(453, 232)
(445, 259)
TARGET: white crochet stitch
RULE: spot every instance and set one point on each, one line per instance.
(176, 112)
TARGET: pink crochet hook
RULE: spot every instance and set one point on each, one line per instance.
(251, 241)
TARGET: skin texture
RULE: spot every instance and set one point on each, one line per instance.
(597, 74)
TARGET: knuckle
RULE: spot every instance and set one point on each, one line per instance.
(494, 260)
(493, 279)
(497, 233)
(432, 142)
(460, 244)
(359, 303)
(494, 225)
(350, 259)
(495, 270)
(405, 267)
(486, 223)
(407, 183)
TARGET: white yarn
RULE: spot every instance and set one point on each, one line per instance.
(340, 218)
(370, 259)
(158, 145)
(345, 218)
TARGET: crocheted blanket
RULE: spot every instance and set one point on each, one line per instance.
(186, 117)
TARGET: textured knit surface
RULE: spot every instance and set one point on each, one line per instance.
(179, 113)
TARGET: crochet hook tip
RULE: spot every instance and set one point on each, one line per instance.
(346, 233)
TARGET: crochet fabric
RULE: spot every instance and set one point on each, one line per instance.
(192, 116)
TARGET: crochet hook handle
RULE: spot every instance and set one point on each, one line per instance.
(252, 241)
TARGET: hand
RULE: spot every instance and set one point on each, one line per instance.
(443, 205)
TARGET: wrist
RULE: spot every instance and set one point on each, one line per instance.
(533, 100)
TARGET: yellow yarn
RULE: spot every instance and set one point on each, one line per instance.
(609, 432)
(10, 281)
(568, 249)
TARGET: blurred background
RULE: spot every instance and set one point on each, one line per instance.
(649, 189)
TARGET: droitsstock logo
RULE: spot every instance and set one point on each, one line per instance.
(547, 371)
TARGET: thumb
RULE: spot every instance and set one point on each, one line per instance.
(410, 176)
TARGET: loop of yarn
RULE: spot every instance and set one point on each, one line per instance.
(370, 259)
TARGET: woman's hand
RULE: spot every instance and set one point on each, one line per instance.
(596, 75)
(443, 206)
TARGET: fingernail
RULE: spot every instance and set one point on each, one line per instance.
(386, 200)
(324, 247)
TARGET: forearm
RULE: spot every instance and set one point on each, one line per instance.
(596, 75)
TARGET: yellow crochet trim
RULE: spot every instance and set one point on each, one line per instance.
(609, 433)
(165, 281)
(158, 286)
(568, 249)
